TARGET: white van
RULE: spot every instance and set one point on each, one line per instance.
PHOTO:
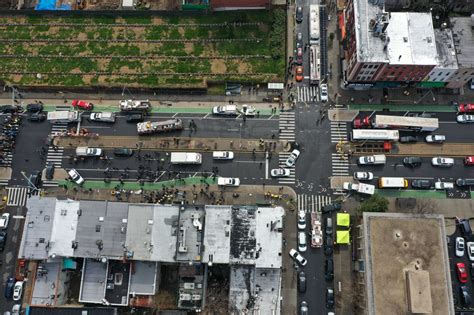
(302, 247)
(222, 155)
(86, 151)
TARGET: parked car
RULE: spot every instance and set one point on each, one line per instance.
(465, 227)
(442, 161)
(299, 14)
(292, 158)
(105, 117)
(50, 171)
(34, 108)
(464, 119)
(299, 39)
(4, 219)
(299, 73)
(3, 240)
(228, 181)
(422, 183)
(329, 298)
(301, 282)
(408, 139)
(363, 176)
(301, 220)
(435, 138)
(37, 117)
(16, 309)
(462, 182)
(469, 160)
(328, 245)
(78, 104)
(280, 172)
(135, 118)
(74, 175)
(299, 55)
(328, 226)
(466, 108)
(329, 270)
(470, 250)
(336, 206)
(297, 257)
(9, 287)
(323, 92)
(460, 245)
(123, 152)
(465, 295)
(304, 310)
(444, 185)
(10, 109)
(462, 272)
(412, 161)
(222, 155)
(17, 291)
(302, 244)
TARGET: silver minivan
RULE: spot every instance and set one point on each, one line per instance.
(302, 247)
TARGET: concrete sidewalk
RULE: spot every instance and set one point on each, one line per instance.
(5, 172)
(423, 149)
(175, 143)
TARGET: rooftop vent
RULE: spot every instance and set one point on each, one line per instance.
(150, 222)
(101, 219)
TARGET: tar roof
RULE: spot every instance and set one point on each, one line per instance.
(242, 235)
(217, 235)
(413, 242)
(445, 47)
(463, 35)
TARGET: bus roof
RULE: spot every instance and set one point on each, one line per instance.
(406, 121)
(314, 27)
(374, 134)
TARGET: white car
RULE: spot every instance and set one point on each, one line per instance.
(363, 175)
(280, 172)
(292, 158)
(323, 92)
(4, 219)
(464, 119)
(297, 257)
(349, 186)
(16, 309)
(17, 290)
(102, 117)
(228, 181)
(75, 176)
(444, 185)
(225, 110)
(470, 250)
(442, 161)
(460, 246)
(302, 246)
(301, 220)
(222, 155)
(435, 138)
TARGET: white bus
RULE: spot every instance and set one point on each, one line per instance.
(314, 26)
(393, 182)
(374, 135)
(314, 65)
(406, 122)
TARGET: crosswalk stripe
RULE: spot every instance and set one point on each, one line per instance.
(312, 203)
(307, 93)
(17, 196)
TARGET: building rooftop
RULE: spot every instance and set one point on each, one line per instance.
(269, 223)
(217, 234)
(94, 278)
(118, 281)
(64, 228)
(414, 243)
(445, 47)
(72, 310)
(143, 279)
(407, 36)
(46, 283)
(38, 228)
(190, 234)
(242, 236)
(463, 36)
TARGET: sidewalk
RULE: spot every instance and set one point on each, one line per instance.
(175, 143)
(423, 149)
(403, 107)
(5, 172)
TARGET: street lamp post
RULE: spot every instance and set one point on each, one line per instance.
(29, 181)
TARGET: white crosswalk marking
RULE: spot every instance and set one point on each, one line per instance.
(17, 196)
(63, 107)
(307, 94)
(338, 131)
(55, 156)
(312, 203)
(286, 125)
(58, 127)
(340, 164)
(50, 183)
(282, 157)
(4, 182)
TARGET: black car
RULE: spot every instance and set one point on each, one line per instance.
(465, 295)
(10, 109)
(299, 14)
(408, 139)
(329, 298)
(9, 287)
(472, 271)
(123, 152)
(134, 118)
(329, 270)
(35, 178)
(50, 171)
(462, 182)
(39, 117)
(3, 240)
(422, 183)
(332, 207)
(34, 108)
(412, 161)
(465, 228)
(302, 282)
(328, 246)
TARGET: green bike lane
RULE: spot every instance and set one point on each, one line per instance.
(404, 107)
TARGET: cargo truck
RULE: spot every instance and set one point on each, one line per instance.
(186, 158)
(151, 127)
(135, 106)
(64, 116)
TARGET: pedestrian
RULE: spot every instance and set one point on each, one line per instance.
(258, 113)
(261, 164)
(273, 136)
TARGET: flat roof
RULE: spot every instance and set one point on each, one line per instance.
(64, 228)
(46, 283)
(419, 292)
(414, 242)
(445, 47)
(242, 236)
(269, 238)
(72, 310)
(463, 36)
(190, 234)
(217, 234)
(143, 279)
(118, 282)
(93, 281)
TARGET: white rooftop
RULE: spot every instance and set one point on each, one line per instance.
(217, 234)
(64, 228)
(269, 239)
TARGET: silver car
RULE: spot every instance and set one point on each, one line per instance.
(464, 119)
(280, 172)
(292, 158)
(460, 246)
(442, 161)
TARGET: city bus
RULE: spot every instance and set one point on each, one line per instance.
(314, 24)
(397, 122)
(393, 182)
(374, 135)
(314, 65)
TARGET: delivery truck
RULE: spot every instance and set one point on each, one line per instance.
(360, 188)
(186, 158)
(64, 116)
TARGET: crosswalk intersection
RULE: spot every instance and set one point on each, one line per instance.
(17, 196)
(282, 157)
(307, 94)
(312, 203)
(338, 131)
(286, 124)
(4, 182)
(340, 164)
(55, 156)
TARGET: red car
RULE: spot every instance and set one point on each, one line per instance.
(77, 104)
(466, 108)
(462, 272)
(469, 160)
(299, 74)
